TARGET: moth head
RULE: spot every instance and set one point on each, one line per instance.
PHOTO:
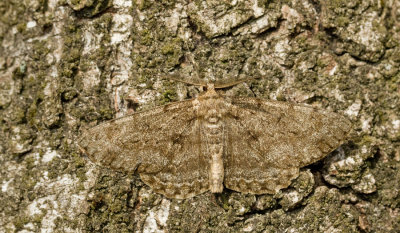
(210, 86)
(210, 93)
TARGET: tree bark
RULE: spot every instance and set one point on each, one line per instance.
(68, 65)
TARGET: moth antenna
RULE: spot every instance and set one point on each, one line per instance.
(197, 80)
(200, 82)
(220, 85)
(178, 78)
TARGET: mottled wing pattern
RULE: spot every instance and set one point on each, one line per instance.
(268, 141)
(186, 173)
(161, 144)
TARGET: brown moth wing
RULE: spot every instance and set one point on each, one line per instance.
(268, 141)
(247, 168)
(186, 174)
(159, 143)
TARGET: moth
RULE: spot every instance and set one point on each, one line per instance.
(245, 144)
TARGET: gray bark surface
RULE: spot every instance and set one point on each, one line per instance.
(68, 65)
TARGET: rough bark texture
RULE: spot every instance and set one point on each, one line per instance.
(67, 65)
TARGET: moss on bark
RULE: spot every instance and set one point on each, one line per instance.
(69, 65)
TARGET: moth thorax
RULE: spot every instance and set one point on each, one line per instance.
(213, 115)
(213, 130)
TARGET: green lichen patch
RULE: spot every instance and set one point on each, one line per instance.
(5, 94)
(168, 96)
(377, 218)
(209, 216)
(301, 187)
(388, 189)
(113, 206)
(364, 35)
(71, 50)
(343, 171)
(214, 18)
(89, 8)
(324, 210)
(239, 204)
